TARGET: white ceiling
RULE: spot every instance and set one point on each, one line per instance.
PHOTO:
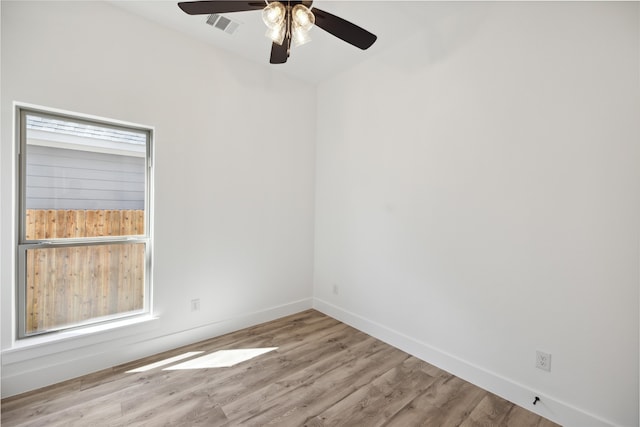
(391, 21)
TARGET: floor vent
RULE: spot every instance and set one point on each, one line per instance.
(222, 23)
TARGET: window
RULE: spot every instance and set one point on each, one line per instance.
(84, 241)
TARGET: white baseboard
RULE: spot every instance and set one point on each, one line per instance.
(26, 372)
(548, 407)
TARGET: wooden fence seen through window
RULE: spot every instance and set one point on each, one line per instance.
(73, 284)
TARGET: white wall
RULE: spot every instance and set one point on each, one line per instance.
(478, 198)
(234, 194)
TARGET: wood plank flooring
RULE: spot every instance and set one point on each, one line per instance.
(324, 373)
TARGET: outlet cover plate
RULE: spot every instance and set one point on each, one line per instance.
(543, 361)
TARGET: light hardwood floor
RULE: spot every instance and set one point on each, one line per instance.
(324, 373)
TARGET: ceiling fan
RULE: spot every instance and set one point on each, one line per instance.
(287, 21)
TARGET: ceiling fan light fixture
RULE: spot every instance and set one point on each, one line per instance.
(303, 17)
(273, 15)
(289, 22)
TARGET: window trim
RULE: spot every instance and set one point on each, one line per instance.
(21, 110)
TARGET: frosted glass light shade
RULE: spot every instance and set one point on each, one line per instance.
(300, 36)
(276, 34)
(303, 17)
(273, 15)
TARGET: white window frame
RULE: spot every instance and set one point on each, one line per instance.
(22, 244)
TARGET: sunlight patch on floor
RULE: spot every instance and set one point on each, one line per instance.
(221, 359)
(164, 362)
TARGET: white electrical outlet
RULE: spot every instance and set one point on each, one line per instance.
(195, 304)
(543, 361)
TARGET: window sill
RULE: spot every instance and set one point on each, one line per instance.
(44, 345)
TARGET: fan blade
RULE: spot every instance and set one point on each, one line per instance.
(344, 29)
(279, 53)
(210, 7)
